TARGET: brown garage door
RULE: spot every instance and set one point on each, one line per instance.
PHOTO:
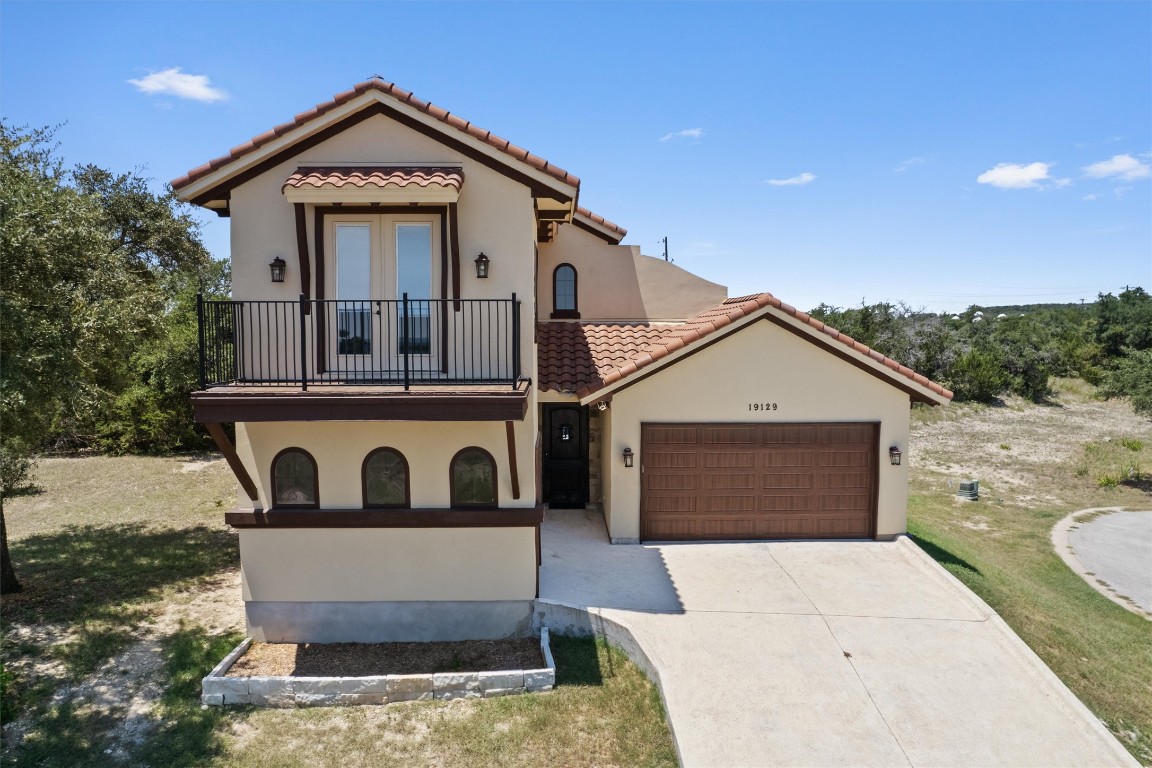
(758, 481)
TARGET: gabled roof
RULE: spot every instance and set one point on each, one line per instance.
(591, 359)
(598, 225)
(396, 93)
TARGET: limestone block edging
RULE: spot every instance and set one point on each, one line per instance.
(285, 692)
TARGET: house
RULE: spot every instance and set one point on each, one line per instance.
(430, 342)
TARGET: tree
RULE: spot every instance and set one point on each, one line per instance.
(97, 271)
(1132, 378)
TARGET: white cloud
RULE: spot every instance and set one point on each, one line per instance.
(1015, 175)
(1092, 196)
(1120, 167)
(176, 83)
(795, 181)
(911, 162)
(687, 133)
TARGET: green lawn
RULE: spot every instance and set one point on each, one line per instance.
(1000, 547)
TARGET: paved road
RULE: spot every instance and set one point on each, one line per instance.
(1117, 549)
(818, 653)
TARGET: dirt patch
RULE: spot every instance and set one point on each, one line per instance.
(1012, 444)
(371, 659)
(126, 687)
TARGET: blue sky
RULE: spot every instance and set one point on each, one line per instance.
(942, 154)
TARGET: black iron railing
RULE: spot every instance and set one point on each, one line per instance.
(405, 341)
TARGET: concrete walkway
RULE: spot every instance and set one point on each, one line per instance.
(1111, 549)
(817, 653)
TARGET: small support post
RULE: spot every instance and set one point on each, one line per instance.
(405, 339)
(200, 327)
(515, 340)
(303, 343)
(514, 471)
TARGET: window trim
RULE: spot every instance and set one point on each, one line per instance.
(566, 314)
(315, 480)
(364, 480)
(452, 481)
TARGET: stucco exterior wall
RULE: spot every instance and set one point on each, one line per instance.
(615, 282)
(760, 363)
(388, 564)
(495, 216)
(339, 449)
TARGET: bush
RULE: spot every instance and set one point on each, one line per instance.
(1132, 378)
(977, 374)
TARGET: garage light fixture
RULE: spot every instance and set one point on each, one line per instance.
(277, 267)
(482, 266)
(894, 456)
(629, 457)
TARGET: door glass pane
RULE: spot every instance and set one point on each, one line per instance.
(353, 287)
(414, 277)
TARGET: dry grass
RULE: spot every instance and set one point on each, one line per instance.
(1000, 546)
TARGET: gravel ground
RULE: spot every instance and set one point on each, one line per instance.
(371, 659)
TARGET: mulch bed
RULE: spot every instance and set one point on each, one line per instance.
(372, 659)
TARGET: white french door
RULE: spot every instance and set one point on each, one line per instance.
(376, 260)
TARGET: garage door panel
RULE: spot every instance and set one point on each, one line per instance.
(672, 435)
(684, 482)
(674, 460)
(730, 435)
(856, 502)
(672, 504)
(729, 504)
(786, 480)
(729, 460)
(844, 480)
(783, 434)
(786, 503)
(802, 481)
(788, 459)
(729, 481)
(843, 459)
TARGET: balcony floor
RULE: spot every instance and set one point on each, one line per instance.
(362, 402)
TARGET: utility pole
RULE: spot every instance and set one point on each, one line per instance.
(665, 241)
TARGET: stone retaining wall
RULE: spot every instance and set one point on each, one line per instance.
(334, 691)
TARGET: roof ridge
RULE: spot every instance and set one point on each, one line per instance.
(397, 93)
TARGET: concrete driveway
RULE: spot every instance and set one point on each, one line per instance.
(817, 653)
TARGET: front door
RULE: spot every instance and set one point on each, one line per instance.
(565, 467)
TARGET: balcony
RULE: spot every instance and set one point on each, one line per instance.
(412, 359)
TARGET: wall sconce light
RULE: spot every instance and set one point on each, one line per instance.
(894, 456)
(482, 266)
(602, 406)
(629, 457)
(277, 266)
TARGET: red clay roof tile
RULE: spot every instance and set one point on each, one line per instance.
(389, 89)
(376, 176)
(585, 357)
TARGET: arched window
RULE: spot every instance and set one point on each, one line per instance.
(473, 478)
(294, 479)
(564, 304)
(385, 479)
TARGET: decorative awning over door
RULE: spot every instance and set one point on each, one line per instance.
(381, 184)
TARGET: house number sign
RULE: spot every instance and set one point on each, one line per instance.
(761, 406)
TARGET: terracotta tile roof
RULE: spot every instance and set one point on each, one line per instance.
(586, 357)
(376, 176)
(405, 97)
(603, 222)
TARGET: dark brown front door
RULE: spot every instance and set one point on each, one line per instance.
(758, 481)
(565, 467)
